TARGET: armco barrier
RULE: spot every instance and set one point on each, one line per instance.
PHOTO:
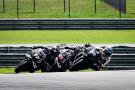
(54, 24)
(122, 58)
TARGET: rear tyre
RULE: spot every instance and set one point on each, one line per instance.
(76, 66)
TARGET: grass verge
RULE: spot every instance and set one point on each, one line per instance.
(6, 70)
(67, 36)
(11, 71)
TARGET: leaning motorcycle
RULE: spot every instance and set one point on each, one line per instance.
(32, 62)
(87, 58)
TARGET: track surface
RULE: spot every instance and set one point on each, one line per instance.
(102, 80)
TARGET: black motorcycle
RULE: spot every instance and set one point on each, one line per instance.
(59, 62)
(32, 62)
(86, 58)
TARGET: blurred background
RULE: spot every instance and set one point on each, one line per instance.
(67, 8)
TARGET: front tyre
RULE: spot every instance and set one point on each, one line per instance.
(96, 67)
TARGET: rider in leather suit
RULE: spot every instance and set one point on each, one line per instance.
(91, 57)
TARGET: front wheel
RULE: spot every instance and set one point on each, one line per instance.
(96, 67)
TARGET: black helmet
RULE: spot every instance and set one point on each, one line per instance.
(54, 51)
(87, 45)
(108, 51)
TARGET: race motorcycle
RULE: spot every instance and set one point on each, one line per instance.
(64, 59)
(86, 58)
(32, 62)
(59, 62)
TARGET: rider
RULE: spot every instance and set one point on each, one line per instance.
(103, 55)
(50, 53)
(106, 54)
(63, 60)
(91, 57)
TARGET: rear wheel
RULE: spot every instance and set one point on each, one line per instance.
(76, 66)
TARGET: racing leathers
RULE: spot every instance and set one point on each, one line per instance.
(63, 60)
(90, 57)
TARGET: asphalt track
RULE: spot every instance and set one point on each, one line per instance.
(100, 80)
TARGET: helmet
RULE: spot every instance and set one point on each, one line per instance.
(87, 45)
(54, 51)
(108, 51)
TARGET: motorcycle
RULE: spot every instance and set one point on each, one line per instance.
(32, 62)
(86, 58)
(61, 62)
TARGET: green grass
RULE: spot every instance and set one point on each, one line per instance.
(6, 70)
(67, 36)
(55, 9)
(11, 71)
